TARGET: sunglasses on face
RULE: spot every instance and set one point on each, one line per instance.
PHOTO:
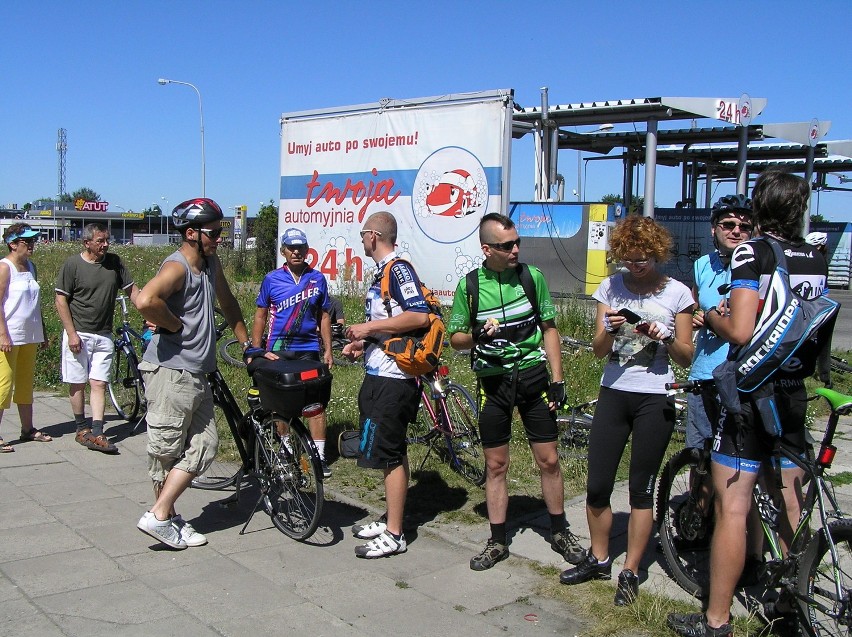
(375, 232)
(212, 233)
(506, 246)
(640, 263)
(302, 247)
(728, 226)
(29, 241)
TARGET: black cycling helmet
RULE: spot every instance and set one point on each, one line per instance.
(194, 213)
(728, 204)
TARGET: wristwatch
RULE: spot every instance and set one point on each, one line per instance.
(246, 345)
(668, 340)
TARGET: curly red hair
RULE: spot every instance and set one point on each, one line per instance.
(643, 235)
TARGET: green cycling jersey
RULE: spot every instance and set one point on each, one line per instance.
(518, 343)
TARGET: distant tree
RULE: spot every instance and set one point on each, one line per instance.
(636, 203)
(266, 231)
(86, 194)
(818, 219)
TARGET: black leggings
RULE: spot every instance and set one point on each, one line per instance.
(650, 418)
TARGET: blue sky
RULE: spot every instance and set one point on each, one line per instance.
(92, 68)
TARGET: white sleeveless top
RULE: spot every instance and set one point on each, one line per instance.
(22, 305)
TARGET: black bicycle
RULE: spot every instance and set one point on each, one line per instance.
(270, 446)
(817, 571)
(126, 390)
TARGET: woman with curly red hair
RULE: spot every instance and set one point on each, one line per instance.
(644, 319)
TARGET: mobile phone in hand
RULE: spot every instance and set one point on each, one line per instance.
(629, 315)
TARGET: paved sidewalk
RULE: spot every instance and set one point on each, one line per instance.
(73, 562)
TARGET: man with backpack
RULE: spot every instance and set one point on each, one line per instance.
(389, 396)
(745, 441)
(504, 313)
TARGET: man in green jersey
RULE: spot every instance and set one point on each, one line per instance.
(513, 339)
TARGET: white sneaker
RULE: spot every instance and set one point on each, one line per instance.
(371, 530)
(165, 531)
(187, 533)
(381, 546)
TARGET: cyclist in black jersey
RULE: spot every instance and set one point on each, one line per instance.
(780, 202)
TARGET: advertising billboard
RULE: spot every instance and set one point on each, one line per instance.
(437, 164)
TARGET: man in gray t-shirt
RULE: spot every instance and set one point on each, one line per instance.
(86, 288)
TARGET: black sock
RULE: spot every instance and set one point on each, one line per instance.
(395, 536)
(97, 427)
(498, 533)
(80, 421)
(557, 522)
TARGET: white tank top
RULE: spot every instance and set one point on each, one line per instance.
(22, 305)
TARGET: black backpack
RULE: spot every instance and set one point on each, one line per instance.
(472, 285)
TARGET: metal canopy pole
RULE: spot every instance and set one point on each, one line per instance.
(742, 156)
(809, 177)
(650, 168)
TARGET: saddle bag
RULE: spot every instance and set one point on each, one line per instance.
(286, 387)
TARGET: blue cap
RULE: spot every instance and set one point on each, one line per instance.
(294, 237)
(25, 233)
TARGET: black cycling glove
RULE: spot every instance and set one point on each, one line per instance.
(253, 352)
(556, 393)
(481, 336)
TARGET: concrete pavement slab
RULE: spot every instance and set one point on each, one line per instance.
(70, 571)
(303, 618)
(21, 543)
(8, 590)
(20, 617)
(175, 626)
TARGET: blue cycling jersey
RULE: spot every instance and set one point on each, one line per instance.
(295, 305)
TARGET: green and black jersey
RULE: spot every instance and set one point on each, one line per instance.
(501, 296)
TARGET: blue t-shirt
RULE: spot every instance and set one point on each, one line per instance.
(710, 350)
(295, 306)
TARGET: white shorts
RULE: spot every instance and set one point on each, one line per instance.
(93, 362)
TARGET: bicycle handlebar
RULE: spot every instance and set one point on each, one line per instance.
(691, 386)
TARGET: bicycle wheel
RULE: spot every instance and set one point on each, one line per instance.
(467, 454)
(684, 527)
(574, 439)
(231, 352)
(227, 467)
(125, 388)
(822, 608)
(290, 474)
(419, 440)
(840, 365)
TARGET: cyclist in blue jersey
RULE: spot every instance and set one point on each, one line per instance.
(292, 303)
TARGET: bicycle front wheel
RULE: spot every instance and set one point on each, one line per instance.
(463, 415)
(685, 520)
(125, 386)
(227, 467)
(290, 473)
(825, 585)
(231, 352)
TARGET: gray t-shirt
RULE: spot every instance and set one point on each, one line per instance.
(193, 348)
(639, 363)
(91, 289)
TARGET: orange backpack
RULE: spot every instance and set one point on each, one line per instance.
(416, 353)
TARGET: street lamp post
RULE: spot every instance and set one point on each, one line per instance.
(164, 214)
(163, 82)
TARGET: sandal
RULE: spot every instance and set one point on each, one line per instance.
(5, 448)
(96, 443)
(34, 435)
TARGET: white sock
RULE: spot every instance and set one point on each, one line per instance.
(320, 448)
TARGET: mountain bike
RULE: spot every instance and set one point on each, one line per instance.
(271, 449)
(447, 424)
(817, 571)
(126, 390)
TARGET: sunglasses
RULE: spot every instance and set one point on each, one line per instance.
(212, 233)
(29, 241)
(728, 226)
(375, 232)
(641, 263)
(506, 246)
(302, 247)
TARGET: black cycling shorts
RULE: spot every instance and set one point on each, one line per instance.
(299, 355)
(526, 390)
(744, 446)
(387, 405)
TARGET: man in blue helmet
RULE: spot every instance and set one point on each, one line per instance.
(179, 301)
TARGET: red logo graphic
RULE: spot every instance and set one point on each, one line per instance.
(455, 195)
